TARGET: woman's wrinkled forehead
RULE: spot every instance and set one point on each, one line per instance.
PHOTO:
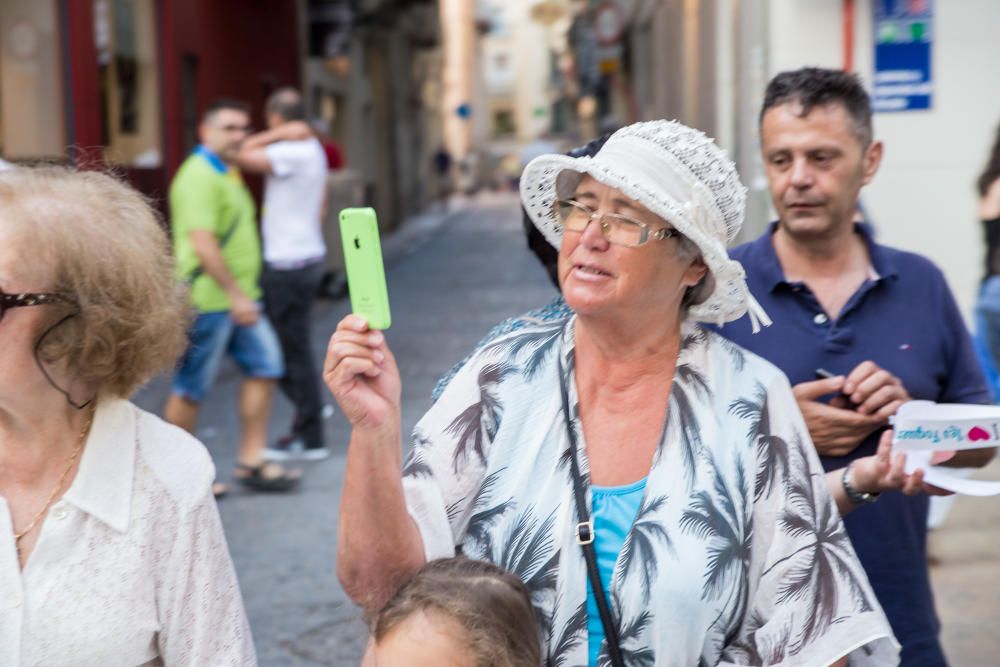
(11, 259)
(579, 185)
(15, 240)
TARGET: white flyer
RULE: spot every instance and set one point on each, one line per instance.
(923, 427)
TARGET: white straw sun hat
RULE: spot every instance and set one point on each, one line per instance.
(680, 175)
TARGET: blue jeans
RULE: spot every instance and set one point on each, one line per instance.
(988, 326)
(254, 348)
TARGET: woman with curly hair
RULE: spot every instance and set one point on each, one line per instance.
(111, 547)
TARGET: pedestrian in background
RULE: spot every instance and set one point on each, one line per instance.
(988, 303)
(217, 247)
(987, 340)
(295, 169)
(458, 612)
(442, 170)
(111, 547)
(652, 484)
(882, 320)
(334, 153)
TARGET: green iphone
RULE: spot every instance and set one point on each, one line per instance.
(363, 261)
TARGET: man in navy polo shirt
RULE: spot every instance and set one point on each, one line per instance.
(882, 320)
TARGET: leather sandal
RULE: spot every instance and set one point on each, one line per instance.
(262, 478)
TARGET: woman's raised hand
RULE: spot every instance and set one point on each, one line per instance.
(361, 373)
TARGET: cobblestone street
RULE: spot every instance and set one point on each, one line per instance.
(965, 571)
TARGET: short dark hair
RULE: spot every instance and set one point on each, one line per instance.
(221, 104)
(286, 103)
(492, 606)
(537, 243)
(812, 87)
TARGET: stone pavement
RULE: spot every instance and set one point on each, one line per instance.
(965, 570)
(451, 277)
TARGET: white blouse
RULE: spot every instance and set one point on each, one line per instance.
(131, 566)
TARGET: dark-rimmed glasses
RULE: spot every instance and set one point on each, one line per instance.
(617, 229)
(8, 301)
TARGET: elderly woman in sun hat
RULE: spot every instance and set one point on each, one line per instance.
(652, 484)
(111, 547)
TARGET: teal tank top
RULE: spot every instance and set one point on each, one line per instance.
(613, 509)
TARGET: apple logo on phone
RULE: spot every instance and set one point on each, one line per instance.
(357, 243)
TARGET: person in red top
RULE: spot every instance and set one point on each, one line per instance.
(334, 154)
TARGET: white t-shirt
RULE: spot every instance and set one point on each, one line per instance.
(131, 566)
(293, 202)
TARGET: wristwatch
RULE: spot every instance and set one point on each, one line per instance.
(854, 495)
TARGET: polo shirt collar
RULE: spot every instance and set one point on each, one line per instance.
(212, 158)
(772, 275)
(767, 266)
(885, 267)
(103, 484)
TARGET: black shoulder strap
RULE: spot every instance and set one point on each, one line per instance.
(585, 535)
(198, 270)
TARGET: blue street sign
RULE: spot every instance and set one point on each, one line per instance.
(903, 37)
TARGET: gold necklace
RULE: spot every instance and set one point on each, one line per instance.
(62, 479)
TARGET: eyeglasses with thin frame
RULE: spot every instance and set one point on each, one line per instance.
(8, 301)
(617, 229)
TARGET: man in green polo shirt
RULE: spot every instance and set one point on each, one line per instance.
(217, 249)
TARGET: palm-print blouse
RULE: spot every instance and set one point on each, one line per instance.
(737, 555)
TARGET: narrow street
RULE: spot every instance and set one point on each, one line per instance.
(451, 277)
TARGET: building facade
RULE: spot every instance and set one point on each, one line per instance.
(372, 70)
(123, 82)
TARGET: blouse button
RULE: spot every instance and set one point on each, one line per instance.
(15, 600)
(59, 512)
(820, 318)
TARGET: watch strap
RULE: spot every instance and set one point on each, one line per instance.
(855, 495)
